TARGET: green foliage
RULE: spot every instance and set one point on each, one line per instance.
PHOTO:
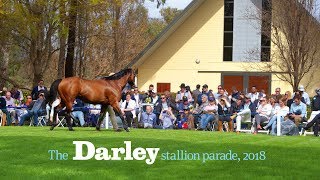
(169, 14)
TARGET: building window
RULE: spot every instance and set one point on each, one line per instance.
(162, 87)
(228, 30)
(266, 31)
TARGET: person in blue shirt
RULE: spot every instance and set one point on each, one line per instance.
(148, 118)
(298, 111)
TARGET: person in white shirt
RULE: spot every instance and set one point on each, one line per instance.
(254, 95)
(128, 109)
(263, 113)
(280, 113)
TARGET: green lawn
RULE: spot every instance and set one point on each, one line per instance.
(24, 154)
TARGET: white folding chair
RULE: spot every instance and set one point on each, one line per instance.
(40, 120)
(61, 120)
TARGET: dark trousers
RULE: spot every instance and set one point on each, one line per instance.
(129, 117)
(315, 121)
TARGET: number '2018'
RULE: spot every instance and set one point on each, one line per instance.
(255, 156)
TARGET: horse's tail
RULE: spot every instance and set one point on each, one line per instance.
(52, 95)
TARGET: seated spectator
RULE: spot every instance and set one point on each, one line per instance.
(287, 96)
(187, 119)
(247, 109)
(298, 111)
(224, 114)
(167, 118)
(277, 94)
(274, 104)
(315, 104)
(279, 113)
(94, 111)
(17, 94)
(38, 108)
(165, 104)
(235, 109)
(199, 110)
(78, 111)
(10, 102)
(208, 114)
(148, 118)
(128, 109)
(155, 99)
(36, 90)
(195, 94)
(222, 93)
(263, 113)
(3, 108)
(184, 103)
(235, 95)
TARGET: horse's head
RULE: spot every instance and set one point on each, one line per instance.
(131, 77)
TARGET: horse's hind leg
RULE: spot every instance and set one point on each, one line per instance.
(101, 117)
(68, 118)
(54, 119)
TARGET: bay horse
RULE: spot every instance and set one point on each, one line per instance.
(105, 91)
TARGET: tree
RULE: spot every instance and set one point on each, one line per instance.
(294, 34)
(169, 14)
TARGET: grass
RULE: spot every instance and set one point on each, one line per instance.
(24, 155)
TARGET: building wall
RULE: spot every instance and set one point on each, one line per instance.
(199, 38)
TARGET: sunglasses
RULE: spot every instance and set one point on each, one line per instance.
(186, 110)
(162, 97)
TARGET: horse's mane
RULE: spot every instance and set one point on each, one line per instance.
(118, 75)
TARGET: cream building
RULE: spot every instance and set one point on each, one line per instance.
(208, 44)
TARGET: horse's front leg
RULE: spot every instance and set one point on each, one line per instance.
(101, 117)
(68, 118)
(118, 112)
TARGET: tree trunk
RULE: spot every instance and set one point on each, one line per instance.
(4, 66)
(71, 39)
(115, 32)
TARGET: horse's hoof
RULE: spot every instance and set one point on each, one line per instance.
(51, 128)
(71, 129)
(98, 128)
(127, 129)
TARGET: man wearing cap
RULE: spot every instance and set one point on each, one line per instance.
(305, 95)
(183, 92)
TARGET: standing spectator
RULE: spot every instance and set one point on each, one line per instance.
(254, 95)
(167, 118)
(315, 105)
(305, 95)
(298, 111)
(183, 92)
(148, 118)
(205, 90)
(128, 109)
(195, 94)
(38, 108)
(36, 90)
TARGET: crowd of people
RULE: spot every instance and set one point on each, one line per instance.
(200, 109)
